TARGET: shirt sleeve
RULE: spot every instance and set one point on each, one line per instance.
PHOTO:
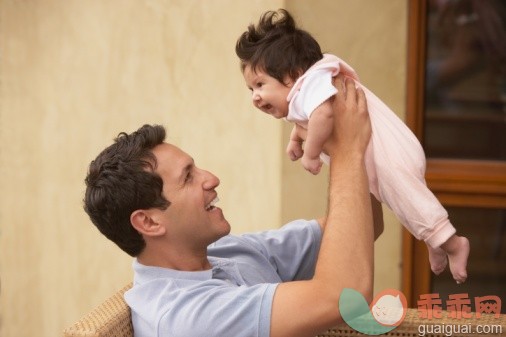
(292, 250)
(316, 89)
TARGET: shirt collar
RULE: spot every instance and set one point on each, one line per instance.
(145, 273)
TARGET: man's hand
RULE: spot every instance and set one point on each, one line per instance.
(352, 127)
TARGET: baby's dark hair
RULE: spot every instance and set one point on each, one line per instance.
(277, 46)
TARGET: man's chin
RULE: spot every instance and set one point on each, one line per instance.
(223, 226)
(227, 229)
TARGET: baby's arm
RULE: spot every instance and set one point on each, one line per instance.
(294, 148)
(319, 129)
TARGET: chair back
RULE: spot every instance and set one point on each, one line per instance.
(111, 318)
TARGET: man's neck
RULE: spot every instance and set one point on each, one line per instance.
(189, 261)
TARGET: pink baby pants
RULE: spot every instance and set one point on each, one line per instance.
(395, 164)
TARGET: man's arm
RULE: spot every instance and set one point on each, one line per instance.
(304, 308)
(377, 217)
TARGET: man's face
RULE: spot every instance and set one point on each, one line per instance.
(191, 220)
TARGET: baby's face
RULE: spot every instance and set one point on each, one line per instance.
(267, 93)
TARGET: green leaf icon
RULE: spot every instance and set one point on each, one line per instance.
(356, 313)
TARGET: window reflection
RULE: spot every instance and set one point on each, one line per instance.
(465, 94)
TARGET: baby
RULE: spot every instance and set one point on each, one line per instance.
(290, 78)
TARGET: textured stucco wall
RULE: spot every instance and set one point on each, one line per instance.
(73, 74)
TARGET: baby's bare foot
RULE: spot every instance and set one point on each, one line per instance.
(457, 248)
(438, 260)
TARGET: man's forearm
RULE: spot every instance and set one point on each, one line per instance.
(346, 254)
(346, 258)
(377, 216)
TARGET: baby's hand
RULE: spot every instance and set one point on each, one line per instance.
(294, 150)
(313, 165)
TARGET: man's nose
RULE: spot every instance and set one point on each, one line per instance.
(210, 181)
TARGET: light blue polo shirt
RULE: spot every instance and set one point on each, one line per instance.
(234, 298)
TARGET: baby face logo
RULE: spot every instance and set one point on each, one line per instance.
(386, 312)
(389, 307)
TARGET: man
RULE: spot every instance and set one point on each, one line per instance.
(194, 279)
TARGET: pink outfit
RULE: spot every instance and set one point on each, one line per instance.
(395, 161)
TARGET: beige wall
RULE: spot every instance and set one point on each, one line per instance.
(75, 73)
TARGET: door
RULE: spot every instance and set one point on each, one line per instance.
(456, 106)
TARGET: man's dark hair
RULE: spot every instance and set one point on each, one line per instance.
(277, 46)
(122, 179)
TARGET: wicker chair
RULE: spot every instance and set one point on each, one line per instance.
(112, 318)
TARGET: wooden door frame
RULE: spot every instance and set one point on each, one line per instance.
(461, 183)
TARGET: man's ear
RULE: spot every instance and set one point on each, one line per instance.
(143, 221)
